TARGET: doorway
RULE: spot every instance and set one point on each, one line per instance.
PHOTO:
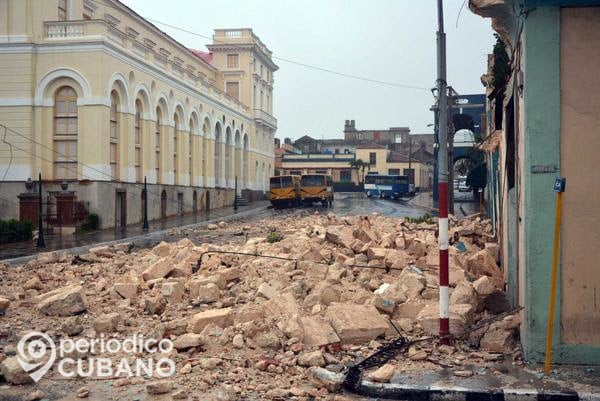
(163, 204)
(207, 201)
(195, 202)
(180, 203)
(120, 208)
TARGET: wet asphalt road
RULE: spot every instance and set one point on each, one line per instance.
(345, 204)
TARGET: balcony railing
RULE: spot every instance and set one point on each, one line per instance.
(86, 30)
(75, 29)
(262, 117)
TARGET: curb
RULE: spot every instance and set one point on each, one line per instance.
(139, 240)
(448, 393)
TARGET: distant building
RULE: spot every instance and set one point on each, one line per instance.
(397, 139)
(381, 159)
(282, 149)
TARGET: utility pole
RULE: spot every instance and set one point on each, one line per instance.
(41, 243)
(443, 176)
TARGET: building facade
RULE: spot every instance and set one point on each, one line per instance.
(543, 119)
(339, 165)
(94, 95)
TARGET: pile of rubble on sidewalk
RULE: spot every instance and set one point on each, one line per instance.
(247, 326)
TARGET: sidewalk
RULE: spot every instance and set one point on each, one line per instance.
(20, 251)
(498, 381)
(424, 200)
(463, 205)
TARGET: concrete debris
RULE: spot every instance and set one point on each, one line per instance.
(245, 327)
(383, 374)
(173, 291)
(64, 301)
(220, 317)
(13, 372)
(484, 285)
(356, 323)
(159, 387)
(188, 340)
(4, 303)
(107, 322)
(127, 290)
(314, 358)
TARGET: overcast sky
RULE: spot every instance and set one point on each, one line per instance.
(384, 40)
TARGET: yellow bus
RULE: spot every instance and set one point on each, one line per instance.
(317, 188)
(284, 190)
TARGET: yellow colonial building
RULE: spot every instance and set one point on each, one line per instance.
(95, 96)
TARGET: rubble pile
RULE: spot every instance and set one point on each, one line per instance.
(246, 326)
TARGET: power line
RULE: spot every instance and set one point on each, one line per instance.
(286, 60)
(138, 185)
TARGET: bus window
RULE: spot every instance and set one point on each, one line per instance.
(275, 182)
(286, 182)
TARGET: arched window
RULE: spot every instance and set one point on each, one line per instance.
(190, 147)
(65, 134)
(62, 10)
(138, 141)
(157, 132)
(114, 136)
(175, 133)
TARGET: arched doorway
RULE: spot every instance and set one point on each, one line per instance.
(163, 204)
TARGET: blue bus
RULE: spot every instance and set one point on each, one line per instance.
(386, 186)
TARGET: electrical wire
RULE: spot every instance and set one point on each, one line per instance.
(286, 60)
(11, 157)
(156, 194)
(138, 185)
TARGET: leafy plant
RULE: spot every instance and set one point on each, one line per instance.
(274, 236)
(91, 223)
(501, 69)
(426, 218)
(14, 230)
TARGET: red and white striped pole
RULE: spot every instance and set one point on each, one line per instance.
(442, 110)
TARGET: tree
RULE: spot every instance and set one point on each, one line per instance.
(360, 165)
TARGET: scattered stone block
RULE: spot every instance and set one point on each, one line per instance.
(4, 303)
(159, 269)
(318, 332)
(173, 291)
(163, 249)
(484, 285)
(66, 301)
(126, 290)
(107, 322)
(155, 305)
(220, 317)
(159, 387)
(309, 359)
(356, 323)
(188, 340)
(13, 372)
(383, 374)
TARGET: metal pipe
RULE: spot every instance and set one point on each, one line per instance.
(145, 211)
